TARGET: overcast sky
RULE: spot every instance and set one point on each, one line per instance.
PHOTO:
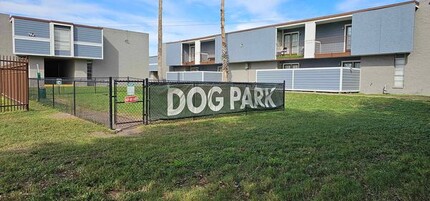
(182, 18)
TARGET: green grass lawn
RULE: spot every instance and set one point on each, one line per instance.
(323, 147)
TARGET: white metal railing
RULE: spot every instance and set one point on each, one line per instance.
(328, 79)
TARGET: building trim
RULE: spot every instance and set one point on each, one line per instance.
(88, 44)
(53, 21)
(32, 38)
(13, 35)
(52, 37)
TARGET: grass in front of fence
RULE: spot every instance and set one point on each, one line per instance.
(327, 147)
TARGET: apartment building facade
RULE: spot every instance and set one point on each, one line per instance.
(387, 44)
(67, 50)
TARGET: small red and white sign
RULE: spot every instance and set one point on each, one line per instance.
(131, 99)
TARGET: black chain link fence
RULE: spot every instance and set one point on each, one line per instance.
(129, 101)
(124, 102)
(85, 98)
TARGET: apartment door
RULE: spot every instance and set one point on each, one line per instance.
(192, 52)
(348, 36)
(291, 43)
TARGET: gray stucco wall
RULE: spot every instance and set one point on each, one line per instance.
(126, 53)
(174, 54)
(254, 45)
(332, 36)
(240, 72)
(378, 71)
(5, 35)
(33, 61)
(80, 68)
(417, 70)
(383, 31)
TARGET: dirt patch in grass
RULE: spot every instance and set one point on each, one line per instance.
(102, 134)
(61, 115)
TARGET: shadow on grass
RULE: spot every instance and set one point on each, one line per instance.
(378, 151)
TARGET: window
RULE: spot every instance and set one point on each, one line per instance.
(399, 71)
(194, 69)
(351, 64)
(290, 65)
(89, 69)
(291, 43)
(348, 37)
(219, 68)
(62, 40)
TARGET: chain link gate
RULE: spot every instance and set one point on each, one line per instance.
(130, 102)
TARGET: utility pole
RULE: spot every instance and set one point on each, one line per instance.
(225, 67)
(160, 40)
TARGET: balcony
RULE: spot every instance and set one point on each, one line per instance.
(207, 58)
(285, 54)
(334, 46)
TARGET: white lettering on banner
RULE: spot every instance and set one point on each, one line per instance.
(190, 102)
(235, 95)
(258, 96)
(269, 98)
(219, 100)
(175, 111)
(246, 98)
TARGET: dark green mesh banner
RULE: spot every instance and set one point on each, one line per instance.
(182, 100)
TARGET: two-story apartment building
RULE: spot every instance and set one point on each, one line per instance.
(387, 44)
(67, 50)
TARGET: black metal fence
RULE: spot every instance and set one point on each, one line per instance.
(87, 99)
(123, 102)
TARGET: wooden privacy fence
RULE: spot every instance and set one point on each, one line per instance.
(13, 83)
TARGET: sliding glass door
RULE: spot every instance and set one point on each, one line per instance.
(291, 43)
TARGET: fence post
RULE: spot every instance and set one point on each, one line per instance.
(110, 103)
(283, 92)
(143, 101)
(53, 95)
(341, 80)
(28, 86)
(74, 97)
(293, 77)
(38, 90)
(147, 101)
(95, 85)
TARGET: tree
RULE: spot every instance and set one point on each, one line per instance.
(225, 67)
(160, 40)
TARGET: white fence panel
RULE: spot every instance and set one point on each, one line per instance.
(194, 76)
(330, 79)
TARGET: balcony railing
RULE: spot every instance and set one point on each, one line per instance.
(333, 46)
(206, 58)
(285, 53)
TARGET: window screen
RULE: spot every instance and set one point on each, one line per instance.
(399, 71)
(62, 39)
